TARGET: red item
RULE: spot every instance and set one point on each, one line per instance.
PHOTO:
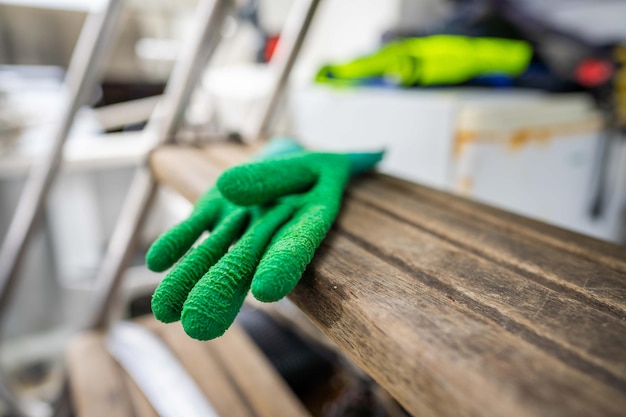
(270, 47)
(593, 72)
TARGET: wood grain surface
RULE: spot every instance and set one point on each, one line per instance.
(233, 374)
(88, 361)
(455, 307)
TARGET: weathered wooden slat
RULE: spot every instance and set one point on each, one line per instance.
(88, 361)
(233, 374)
(265, 391)
(190, 181)
(457, 308)
(230, 153)
(215, 383)
(602, 287)
(435, 355)
(597, 250)
(579, 335)
(241, 382)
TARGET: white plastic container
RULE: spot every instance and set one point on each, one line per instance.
(524, 151)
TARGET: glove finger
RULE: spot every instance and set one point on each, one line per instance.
(216, 299)
(265, 181)
(169, 297)
(295, 244)
(174, 243)
(291, 251)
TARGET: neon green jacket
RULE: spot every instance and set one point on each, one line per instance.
(439, 59)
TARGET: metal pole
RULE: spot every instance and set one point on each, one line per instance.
(289, 44)
(204, 38)
(600, 184)
(80, 80)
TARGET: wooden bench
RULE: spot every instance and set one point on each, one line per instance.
(456, 308)
(232, 373)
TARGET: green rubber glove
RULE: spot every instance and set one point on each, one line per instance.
(433, 60)
(272, 214)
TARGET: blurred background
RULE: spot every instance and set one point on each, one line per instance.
(521, 105)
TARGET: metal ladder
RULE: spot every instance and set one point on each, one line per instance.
(83, 74)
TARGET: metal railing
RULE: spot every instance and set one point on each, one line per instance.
(82, 78)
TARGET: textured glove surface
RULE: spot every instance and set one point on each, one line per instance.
(272, 214)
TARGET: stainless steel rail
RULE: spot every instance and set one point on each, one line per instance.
(161, 128)
(81, 79)
(290, 42)
(197, 52)
(165, 121)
